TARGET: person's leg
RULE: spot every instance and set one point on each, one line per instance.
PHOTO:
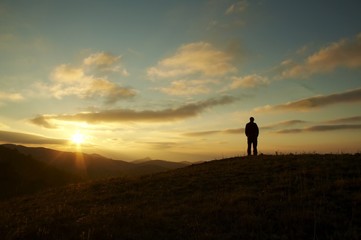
(255, 143)
(249, 142)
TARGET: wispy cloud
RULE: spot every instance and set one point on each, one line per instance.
(24, 138)
(344, 53)
(129, 115)
(322, 128)
(315, 102)
(202, 133)
(346, 120)
(160, 145)
(241, 130)
(42, 120)
(106, 62)
(6, 96)
(283, 127)
(70, 80)
(10, 97)
(188, 87)
(194, 58)
(212, 132)
(283, 124)
(237, 7)
(250, 81)
(101, 59)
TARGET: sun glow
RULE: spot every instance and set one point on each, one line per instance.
(77, 138)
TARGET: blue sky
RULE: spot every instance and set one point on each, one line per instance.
(178, 80)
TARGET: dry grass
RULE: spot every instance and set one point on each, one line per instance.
(268, 197)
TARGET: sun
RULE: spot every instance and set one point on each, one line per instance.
(77, 138)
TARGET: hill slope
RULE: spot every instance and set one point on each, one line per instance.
(92, 166)
(268, 197)
(20, 174)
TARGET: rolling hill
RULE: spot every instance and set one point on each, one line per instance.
(267, 197)
(26, 170)
(93, 166)
(21, 174)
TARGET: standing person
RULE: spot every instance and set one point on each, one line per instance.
(252, 132)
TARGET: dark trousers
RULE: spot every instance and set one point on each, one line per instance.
(252, 141)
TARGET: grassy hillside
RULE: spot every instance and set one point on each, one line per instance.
(21, 174)
(268, 197)
(93, 166)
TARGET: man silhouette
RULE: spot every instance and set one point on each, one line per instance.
(251, 132)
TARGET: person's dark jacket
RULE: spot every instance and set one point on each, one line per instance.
(251, 130)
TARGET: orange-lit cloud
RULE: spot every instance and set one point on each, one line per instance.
(24, 138)
(188, 87)
(194, 58)
(212, 132)
(322, 128)
(10, 97)
(101, 59)
(315, 102)
(42, 121)
(67, 74)
(346, 120)
(237, 7)
(129, 115)
(344, 53)
(284, 124)
(241, 130)
(105, 62)
(160, 145)
(282, 127)
(68, 80)
(249, 81)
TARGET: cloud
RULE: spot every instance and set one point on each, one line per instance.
(11, 97)
(283, 124)
(101, 59)
(346, 120)
(68, 80)
(322, 128)
(315, 102)
(237, 7)
(212, 132)
(160, 145)
(105, 62)
(187, 87)
(42, 121)
(110, 91)
(249, 81)
(67, 75)
(241, 130)
(202, 133)
(129, 115)
(24, 138)
(194, 58)
(344, 53)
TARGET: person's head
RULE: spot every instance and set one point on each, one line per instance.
(251, 119)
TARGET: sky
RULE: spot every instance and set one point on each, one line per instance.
(178, 80)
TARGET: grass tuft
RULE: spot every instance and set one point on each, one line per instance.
(307, 196)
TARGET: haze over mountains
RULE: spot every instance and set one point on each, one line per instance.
(29, 169)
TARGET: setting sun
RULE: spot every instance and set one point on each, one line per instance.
(77, 138)
(120, 91)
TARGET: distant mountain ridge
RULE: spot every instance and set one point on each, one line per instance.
(94, 166)
(22, 174)
(265, 197)
(25, 170)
